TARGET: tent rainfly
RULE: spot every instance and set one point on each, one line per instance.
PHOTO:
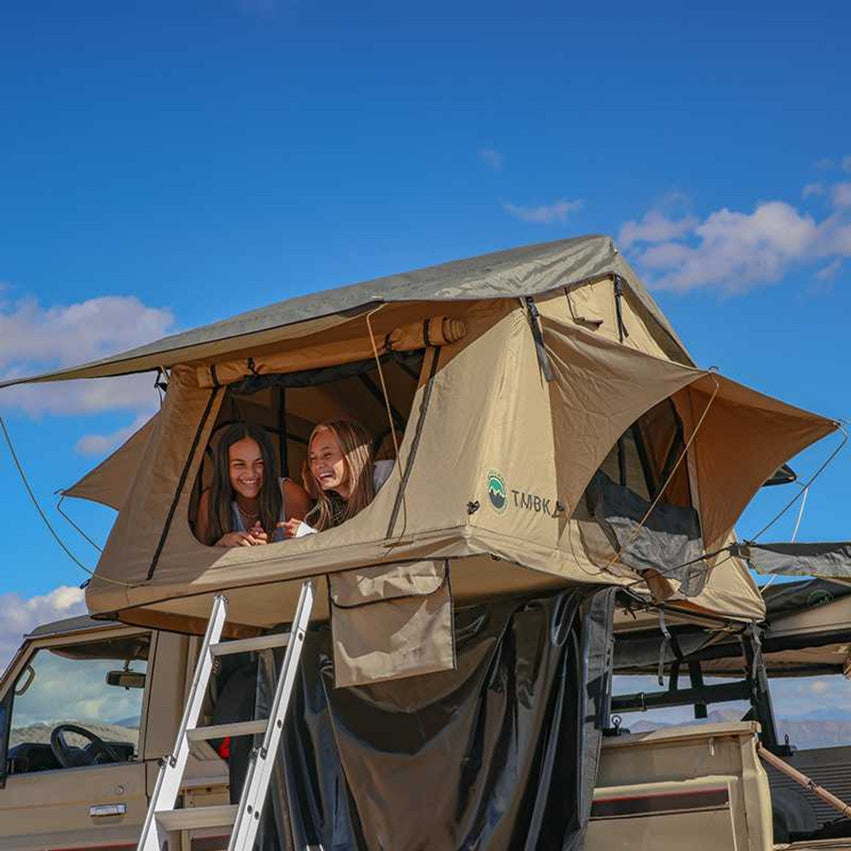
(551, 429)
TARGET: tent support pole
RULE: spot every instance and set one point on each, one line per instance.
(282, 431)
(759, 696)
(695, 675)
(642, 701)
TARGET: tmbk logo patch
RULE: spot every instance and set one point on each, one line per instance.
(497, 493)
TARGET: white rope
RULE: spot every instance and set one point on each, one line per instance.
(800, 513)
(389, 408)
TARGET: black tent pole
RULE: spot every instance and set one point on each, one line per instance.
(282, 431)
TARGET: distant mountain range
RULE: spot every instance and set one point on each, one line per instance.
(40, 733)
(817, 730)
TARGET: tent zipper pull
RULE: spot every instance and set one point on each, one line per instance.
(538, 337)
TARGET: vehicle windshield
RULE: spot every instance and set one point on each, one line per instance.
(78, 705)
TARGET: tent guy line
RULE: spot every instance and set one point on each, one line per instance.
(806, 485)
(28, 488)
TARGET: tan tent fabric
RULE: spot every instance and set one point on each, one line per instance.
(111, 481)
(183, 424)
(490, 412)
(391, 621)
(744, 438)
(592, 306)
(595, 299)
(347, 343)
(730, 589)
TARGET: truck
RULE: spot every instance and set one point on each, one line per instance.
(88, 708)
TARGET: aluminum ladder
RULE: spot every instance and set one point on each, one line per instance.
(243, 819)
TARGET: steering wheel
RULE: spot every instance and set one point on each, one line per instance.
(69, 756)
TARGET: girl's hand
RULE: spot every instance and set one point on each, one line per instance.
(240, 539)
(289, 527)
(259, 534)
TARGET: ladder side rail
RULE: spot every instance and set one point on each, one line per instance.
(254, 791)
(171, 771)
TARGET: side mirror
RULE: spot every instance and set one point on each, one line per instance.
(125, 679)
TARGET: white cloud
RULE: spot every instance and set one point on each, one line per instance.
(21, 615)
(546, 214)
(654, 226)
(68, 334)
(812, 189)
(492, 158)
(34, 338)
(86, 396)
(735, 251)
(103, 444)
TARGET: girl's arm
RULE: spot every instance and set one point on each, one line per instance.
(229, 539)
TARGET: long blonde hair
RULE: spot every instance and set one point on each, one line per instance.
(355, 444)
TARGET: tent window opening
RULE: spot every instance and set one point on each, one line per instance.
(641, 467)
(646, 453)
(288, 406)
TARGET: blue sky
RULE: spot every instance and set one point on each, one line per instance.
(163, 165)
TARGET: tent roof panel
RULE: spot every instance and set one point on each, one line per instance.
(527, 270)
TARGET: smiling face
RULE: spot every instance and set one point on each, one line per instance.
(328, 464)
(245, 467)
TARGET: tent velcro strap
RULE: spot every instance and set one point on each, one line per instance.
(214, 377)
(538, 337)
(618, 286)
(663, 648)
(434, 331)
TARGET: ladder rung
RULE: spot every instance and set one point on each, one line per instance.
(223, 815)
(220, 731)
(246, 645)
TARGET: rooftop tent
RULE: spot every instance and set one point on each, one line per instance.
(512, 380)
